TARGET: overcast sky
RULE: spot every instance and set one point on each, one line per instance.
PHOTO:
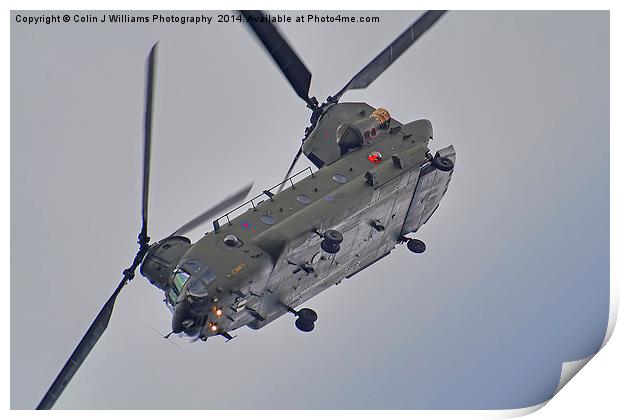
(515, 280)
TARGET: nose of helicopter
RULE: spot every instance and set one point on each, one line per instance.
(183, 320)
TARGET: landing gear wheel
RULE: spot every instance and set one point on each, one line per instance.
(305, 319)
(333, 236)
(331, 241)
(443, 163)
(416, 246)
(303, 325)
(307, 315)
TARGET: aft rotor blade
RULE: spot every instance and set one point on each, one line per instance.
(381, 62)
(290, 170)
(82, 350)
(215, 210)
(148, 126)
(289, 62)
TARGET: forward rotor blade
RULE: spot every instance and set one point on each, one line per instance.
(148, 125)
(289, 62)
(100, 324)
(290, 170)
(87, 343)
(381, 62)
(215, 210)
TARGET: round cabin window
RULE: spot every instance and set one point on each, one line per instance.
(341, 179)
(267, 219)
(304, 199)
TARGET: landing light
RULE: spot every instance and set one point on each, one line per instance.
(213, 327)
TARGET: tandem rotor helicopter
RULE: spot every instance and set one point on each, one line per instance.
(376, 182)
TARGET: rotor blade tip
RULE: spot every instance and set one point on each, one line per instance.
(153, 50)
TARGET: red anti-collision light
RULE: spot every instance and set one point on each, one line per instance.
(375, 157)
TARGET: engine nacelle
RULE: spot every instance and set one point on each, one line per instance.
(356, 134)
(325, 144)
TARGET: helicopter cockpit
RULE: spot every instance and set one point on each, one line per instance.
(195, 276)
(187, 296)
(200, 276)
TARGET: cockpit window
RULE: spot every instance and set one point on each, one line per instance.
(195, 276)
(198, 283)
(172, 296)
(178, 280)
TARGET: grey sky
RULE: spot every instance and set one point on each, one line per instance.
(515, 280)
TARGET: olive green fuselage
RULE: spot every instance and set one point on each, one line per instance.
(278, 263)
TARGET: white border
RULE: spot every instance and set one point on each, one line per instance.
(600, 382)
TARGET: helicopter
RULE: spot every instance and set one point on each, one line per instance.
(375, 182)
